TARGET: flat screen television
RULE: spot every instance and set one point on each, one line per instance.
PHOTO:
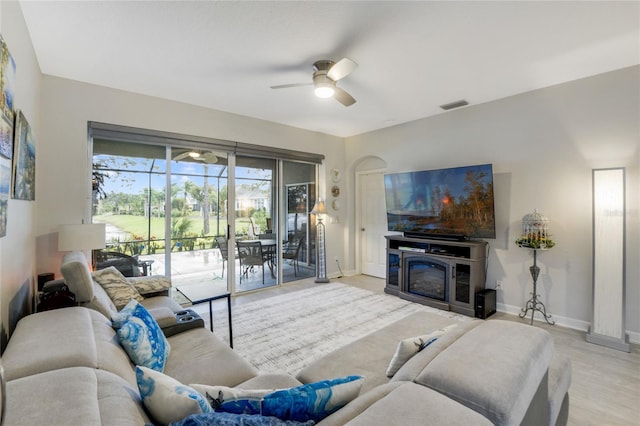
(453, 203)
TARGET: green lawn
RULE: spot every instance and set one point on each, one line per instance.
(138, 226)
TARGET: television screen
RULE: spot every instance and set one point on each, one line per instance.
(450, 203)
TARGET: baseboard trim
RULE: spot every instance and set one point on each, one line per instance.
(634, 337)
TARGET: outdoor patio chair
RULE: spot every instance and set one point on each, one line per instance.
(291, 251)
(223, 245)
(129, 266)
(252, 255)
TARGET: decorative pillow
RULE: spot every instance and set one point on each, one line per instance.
(121, 317)
(407, 348)
(143, 339)
(167, 399)
(151, 284)
(229, 419)
(235, 400)
(116, 285)
(313, 401)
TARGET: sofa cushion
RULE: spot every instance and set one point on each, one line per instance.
(167, 399)
(198, 356)
(369, 356)
(408, 404)
(119, 289)
(143, 339)
(62, 338)
(495, 369)
(270, 381)
(73, 396)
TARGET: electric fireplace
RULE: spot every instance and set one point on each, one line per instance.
(442, 274)
(426, 276)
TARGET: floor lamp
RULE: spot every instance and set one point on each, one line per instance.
(321, 256)
(609, 256)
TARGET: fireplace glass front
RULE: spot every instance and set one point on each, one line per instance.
(426, 276)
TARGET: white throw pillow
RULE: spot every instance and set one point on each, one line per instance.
(167, 399)
(119, 289)
(407, 348)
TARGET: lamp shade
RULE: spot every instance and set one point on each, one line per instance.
(81, 237)
(319, 207)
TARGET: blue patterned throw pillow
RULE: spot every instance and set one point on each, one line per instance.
(143, 339)
(167, 399)
(313, 401)
(229, 419)
(121, 317)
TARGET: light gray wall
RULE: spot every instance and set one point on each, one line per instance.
(17, 248)
(543, 146)
(63, 172)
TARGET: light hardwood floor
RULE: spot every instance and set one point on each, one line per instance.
(605, 383)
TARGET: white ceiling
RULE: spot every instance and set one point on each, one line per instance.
(412, 56)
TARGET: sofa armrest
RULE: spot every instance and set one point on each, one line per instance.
(498, 368)
(155, 285)
(165, 317)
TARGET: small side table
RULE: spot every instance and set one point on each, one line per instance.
(534, 304)
(201, 293)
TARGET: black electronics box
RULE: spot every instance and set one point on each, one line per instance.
(485, 303)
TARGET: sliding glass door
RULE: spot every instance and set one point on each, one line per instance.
(197, 217)
(189, 212)
(256, 233)
(299, 189)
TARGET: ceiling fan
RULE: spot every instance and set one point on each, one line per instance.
(204, 156)
(325, 75)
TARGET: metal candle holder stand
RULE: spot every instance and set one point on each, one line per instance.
(534, 304)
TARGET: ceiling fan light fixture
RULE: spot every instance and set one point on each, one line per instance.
(323, 85)
(194, 154)
(324, 91)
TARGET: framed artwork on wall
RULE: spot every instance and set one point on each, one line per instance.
(7, 81)
(24, 160)
(5, 184)
(6, 138)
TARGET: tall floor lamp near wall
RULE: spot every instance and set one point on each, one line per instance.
(609, 227)
(321, 256)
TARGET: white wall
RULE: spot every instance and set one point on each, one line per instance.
(17, 248)
(543, 145)
(63, 172)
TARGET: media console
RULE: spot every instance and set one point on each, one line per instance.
(438, 273)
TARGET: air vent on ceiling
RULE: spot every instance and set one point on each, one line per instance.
(456, 104)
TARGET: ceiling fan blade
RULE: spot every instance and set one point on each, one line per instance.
(286, 86)
(343, 97)
(341, 69)
(209, 157)
(181, 156)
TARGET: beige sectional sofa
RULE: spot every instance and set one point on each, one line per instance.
(66, 367)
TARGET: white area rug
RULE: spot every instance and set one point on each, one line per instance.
(287, 332)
